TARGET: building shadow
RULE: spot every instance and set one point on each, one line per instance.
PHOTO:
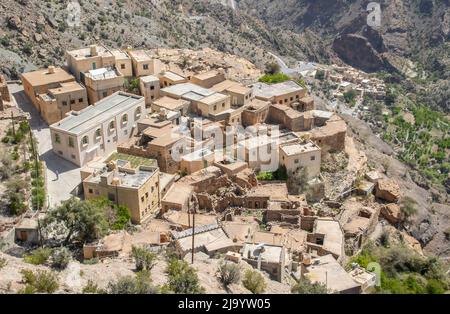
(56, 164)
(24, 103)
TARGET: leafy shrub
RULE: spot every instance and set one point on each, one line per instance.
(229, 273)
(141, 284)
(254, 282)
(305, 286)
(408, 207)
(274, 78)
(39, 256)
(182, 278)
(42, 281)
(91, 288)
(144, 259)
(61, 258)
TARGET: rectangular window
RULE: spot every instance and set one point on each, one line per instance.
(296, 161)
(122, 66)
(313, 158)
(80, 100)
(91, 191)
(152, 87)
(72, 101)
(71, 142)
(94, 65)
(105, 94)
(145, 66)
(57, 138)
(64, 103)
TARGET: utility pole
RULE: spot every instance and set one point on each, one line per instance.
(193, 234)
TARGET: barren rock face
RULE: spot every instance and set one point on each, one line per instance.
(391, 213)
(388, 190)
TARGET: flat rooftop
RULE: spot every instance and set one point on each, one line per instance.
(184, 88)
(92, 116)
(140, 55)
(120, 54)
(334, 239)
(328, 271)
(85, 53)
(207, 75)
(149, 79)
(270, 253)
(212, 99)
(102, 74)
(173, 76)
(170, 103)
(66, 88)
(274, 90)
(297, 147)
(257, 104)
(127, 179)
(44, 77)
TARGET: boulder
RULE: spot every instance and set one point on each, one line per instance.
(388, 190)
(14, 22)
(391, 213)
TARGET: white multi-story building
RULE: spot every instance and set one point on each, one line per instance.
(97, 130)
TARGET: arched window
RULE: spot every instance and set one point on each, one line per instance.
(138, 113)
(112, 126)
(124, 119)
(98, 134)
(84, 140)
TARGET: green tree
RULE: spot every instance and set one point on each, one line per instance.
(15, 194)
(254, 282)
(183, 279)
(77, 220)
(305, 286)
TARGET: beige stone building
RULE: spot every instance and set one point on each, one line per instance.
(209, 79)
(169, 78)
(299, 154)
(204, 102)
(240, 95)
(285, 93)
(123, 62)
(57, 102)
(150, 88)
(197, 160)
(172, 104)
(94, 57)
(103, 82)
(41, 81)
(144, 64)
(137, 189)
(97, 130)
(255, 112)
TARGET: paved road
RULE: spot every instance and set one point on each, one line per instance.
(59, 189)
